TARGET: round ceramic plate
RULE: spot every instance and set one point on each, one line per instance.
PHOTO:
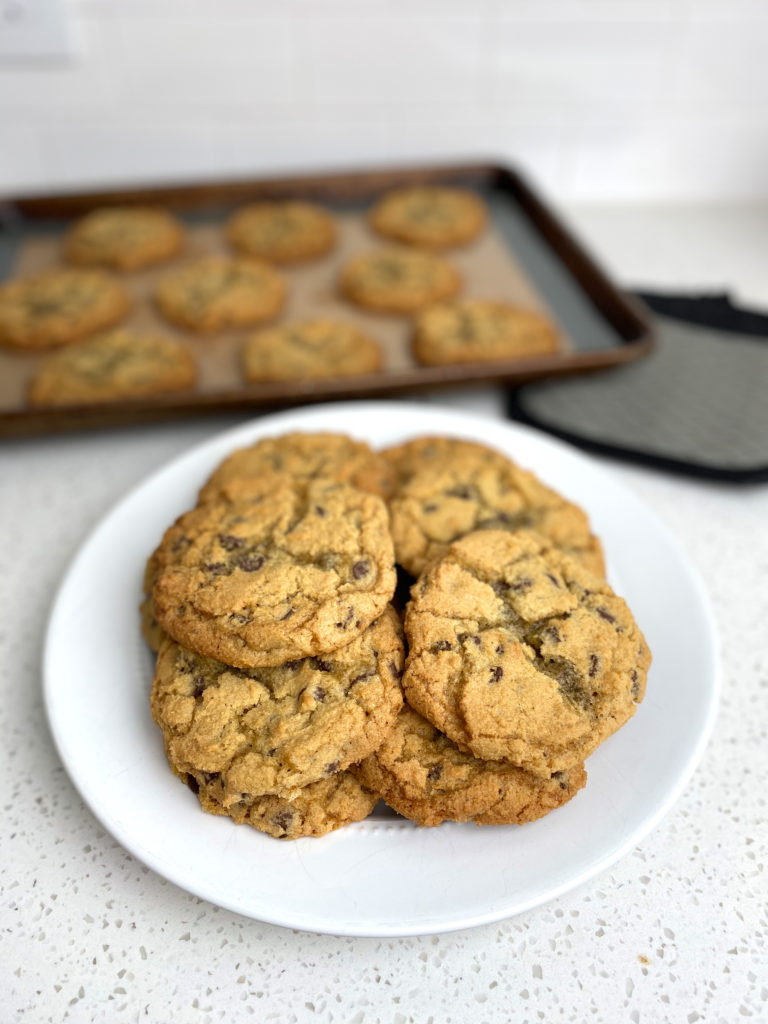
(383, 876)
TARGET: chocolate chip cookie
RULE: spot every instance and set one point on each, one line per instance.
(281, 569)
(59, 306)
(215, 293)
(429, 215)
(309, 349)
(123, 237)
(282, 232)
(425, 777)
(118, 364)
(398, 280)
(471, 331)
(519, 654)
(449, 488)
(276, 730)
(305, 457)
(316, 809)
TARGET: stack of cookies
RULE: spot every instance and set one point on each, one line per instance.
(282, 678)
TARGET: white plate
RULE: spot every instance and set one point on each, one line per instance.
(383, 876)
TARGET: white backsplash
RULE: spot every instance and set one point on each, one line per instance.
(601, 100)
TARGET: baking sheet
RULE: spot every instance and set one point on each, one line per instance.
(487, 266)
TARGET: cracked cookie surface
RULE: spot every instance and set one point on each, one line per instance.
(471, 331)
(316, 810)
(276, 730)
(519, 654)
(448, 488)
(305, 456)
(56, 307)
(282, 232)
(123, 237)
(425, 777)
(429, 215)
(397, 280)
(118, 364)
(309, 348)
(215, 293)
(282, 569)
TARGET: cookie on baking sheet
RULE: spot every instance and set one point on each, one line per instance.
(398, 280)
(118, 364)
(216, 293)
(519, 654)
(425, 777)
(316, 809)
(429, 215)
(123, 237)
(56, 307)
(309, 348)
(471, 330)
(449, 488)
(306, 456)
(282, 232)
(275, 730)
(280, 569)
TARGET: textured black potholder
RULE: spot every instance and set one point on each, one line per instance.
(698, 404)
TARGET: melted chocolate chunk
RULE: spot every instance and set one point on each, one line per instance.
(250, 563)
(435, 772)
(192, 783)
(605, 615)
(282, 820)
(360, 569)
(230, 543)
(496, 674)
(319, 694)
(332, 768)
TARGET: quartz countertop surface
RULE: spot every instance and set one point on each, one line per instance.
(676, 931)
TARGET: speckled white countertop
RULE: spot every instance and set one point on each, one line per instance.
(674, 932)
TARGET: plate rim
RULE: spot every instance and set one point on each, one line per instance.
(242, 432)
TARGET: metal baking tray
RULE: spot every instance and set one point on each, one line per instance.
(526, 255)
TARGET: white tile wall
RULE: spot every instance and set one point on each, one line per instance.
(636, 100)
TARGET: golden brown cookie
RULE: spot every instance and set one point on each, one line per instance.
(275, 730)
(309, 348)
(470, 331)
(282, 232)
(425, 777)
(398, 280)
(305, 457)
(281, 569)
(449, 488)
(118, 364)
(123, 237)
(316, 809)
(519, 654)
(56, 307)
(429, 215)
(216, 293)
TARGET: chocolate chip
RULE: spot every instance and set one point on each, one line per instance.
(593, 663)
(476, 641)
(441, 645)
(435, 772)
(230, 543)
(499, 648)
(605, 615)
(282, 820)
(553, 634)
(180, 543)
(520, 585)
(395, 670)
(250, 563)
(192, 783)
(320, 510)
(347, 620)
(215, 567)
(332, 768)
(552, 578)
(496, 674)
(460, 492)
(319, 694)
(498, 587)
(560, 777)
(199, 684)
(294, 666)
(361, 677)
(360, 569)
(322, 666)
(287, 615)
